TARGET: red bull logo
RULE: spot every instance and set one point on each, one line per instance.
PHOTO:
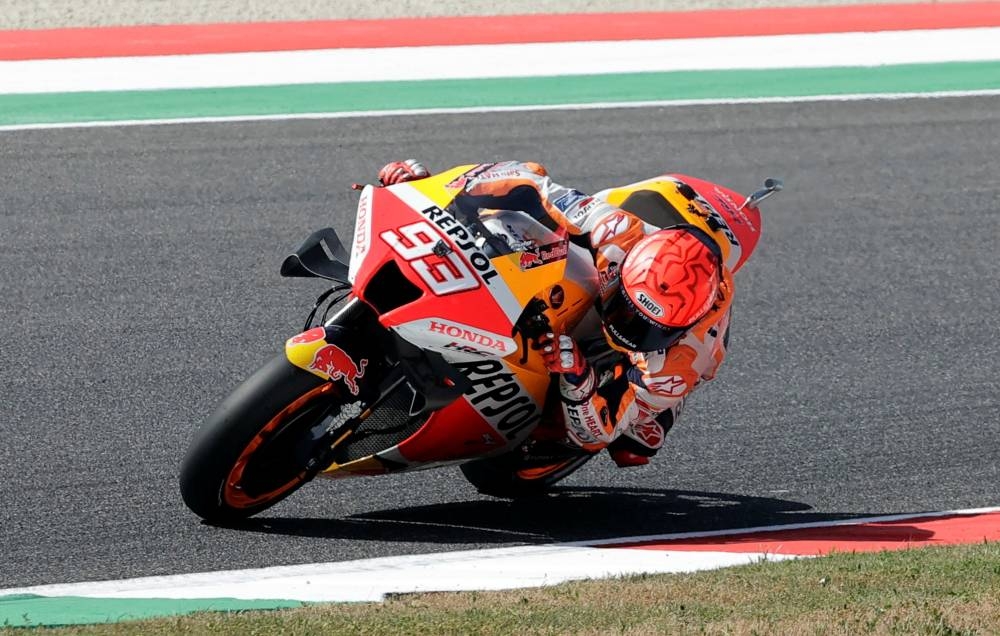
(543, 254)
(529, 260)
(334, 362)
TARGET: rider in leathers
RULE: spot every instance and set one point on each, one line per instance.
(664, 299)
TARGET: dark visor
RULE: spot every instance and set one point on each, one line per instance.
(630, 328)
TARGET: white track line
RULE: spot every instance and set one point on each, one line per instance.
(500, 109)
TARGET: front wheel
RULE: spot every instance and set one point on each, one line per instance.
(260, 445)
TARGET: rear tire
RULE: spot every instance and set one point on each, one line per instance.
(256, 448)
(509, 477)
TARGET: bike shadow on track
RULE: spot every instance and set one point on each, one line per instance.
(564, 514)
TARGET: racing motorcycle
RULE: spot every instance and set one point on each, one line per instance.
(427, 359)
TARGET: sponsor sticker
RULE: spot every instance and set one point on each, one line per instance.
(543, 254)
(529, 259)
(462, 181)
(649, 433)
(735, 213)
(460, 236)
(568, 200)
(609, 228)
(362, 233)
(671, 386)
(335, 363)
(443, 334)
(649, 304)
(608, 278)
(496, 394)
(482, 340)
(557, 296)
(347, 413)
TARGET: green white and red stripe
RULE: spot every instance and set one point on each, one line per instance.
(491, 569)
(355, 67)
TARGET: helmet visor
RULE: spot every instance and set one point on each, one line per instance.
(630, 328)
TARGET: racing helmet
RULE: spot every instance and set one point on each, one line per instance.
(668, 282)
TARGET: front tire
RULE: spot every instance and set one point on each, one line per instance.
(260, 445)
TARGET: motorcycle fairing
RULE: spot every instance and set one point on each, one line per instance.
(362, 239)
(431, 263)
(523, 283)
(444, 186)
(501, 406)
(301, 348)
(324, 352)
(459, 432)
(502, 402)
(468, 319)
(321, 255)
(741, 226)
(451, 336)
(498, 411)
(505, 397)
(706, 205)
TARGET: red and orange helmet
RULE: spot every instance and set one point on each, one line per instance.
(669, 281)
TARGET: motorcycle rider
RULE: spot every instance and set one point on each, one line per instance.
(664, 301)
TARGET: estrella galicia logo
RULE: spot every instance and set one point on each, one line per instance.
(568, 200)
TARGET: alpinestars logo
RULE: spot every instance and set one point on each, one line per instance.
(649, 433)
(670, 386)
(609, 228)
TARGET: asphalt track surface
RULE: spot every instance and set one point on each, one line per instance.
(139, 274)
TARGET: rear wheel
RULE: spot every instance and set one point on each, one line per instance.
(262, 443)
(516, 475)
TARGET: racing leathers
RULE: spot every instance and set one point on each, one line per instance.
(633, 410)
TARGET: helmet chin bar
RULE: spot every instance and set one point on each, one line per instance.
(654, 338)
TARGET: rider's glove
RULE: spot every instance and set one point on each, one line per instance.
(562, 355)
(402, 171)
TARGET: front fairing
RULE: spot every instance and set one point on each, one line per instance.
(439, 284)
(433, 280)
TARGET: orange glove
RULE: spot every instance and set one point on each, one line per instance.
(401, 172)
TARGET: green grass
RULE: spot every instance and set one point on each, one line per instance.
(941, 591)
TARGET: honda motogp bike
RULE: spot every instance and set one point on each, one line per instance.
(427, 360)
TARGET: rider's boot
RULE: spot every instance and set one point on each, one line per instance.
(639, 442)
(627, 451)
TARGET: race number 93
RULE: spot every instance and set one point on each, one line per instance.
(445, 274)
